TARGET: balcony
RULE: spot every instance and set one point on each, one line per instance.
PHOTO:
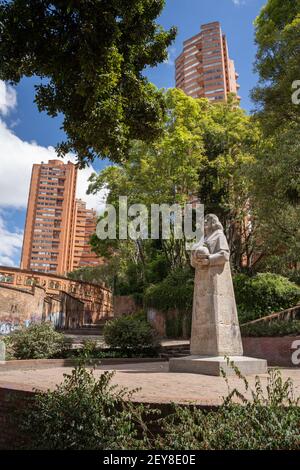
(7, 278)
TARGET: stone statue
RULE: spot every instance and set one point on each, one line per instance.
(215, 326)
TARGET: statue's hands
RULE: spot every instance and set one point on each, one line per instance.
(199, 260)
(203, 261)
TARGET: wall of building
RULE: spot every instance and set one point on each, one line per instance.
(84, 227)
(171, 324)
(124, 305)
(204, 68)
(96, 298)
(50, 218)
(73, 311)
(20, 307)
(64, 311)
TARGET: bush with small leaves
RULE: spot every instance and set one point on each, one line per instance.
(132, 334)
(263, 294)
(84, 413)
(268, 418)
(88, 413)
(272, 328)
(38, 341)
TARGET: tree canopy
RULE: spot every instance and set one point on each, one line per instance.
(203, 152)
(90, 55)
(277, 62)
(276, 176)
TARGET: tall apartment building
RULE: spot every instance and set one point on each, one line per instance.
(49, 242)
(204, 68)
(85, 226)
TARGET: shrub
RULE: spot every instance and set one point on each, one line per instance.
(174, 292)
(263, 294)
(273, 328)
(83, 413)
(256, 423)
(38, 341)
(294, 276)
(132, 334)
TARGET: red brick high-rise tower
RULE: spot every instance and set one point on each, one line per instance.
(85, 226)
(57, 226)
(204, 68)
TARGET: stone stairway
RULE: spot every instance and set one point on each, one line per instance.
(86, 330)
(175, 350)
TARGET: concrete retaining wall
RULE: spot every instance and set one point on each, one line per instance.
(277, 351)
(20, 307)
(124, 305)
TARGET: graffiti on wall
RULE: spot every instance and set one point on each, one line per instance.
(57, 319)
(8, 326)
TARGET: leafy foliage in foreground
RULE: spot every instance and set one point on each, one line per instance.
(83, 413)
(263, 422)
(89, 413)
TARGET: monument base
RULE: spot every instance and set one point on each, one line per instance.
(212, 365)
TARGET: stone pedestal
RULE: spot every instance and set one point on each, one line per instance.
(212, 365)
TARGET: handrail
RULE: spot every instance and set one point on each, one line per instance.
(273, 316)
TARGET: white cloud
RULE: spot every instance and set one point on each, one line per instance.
(96, 202)
(239, 2)
(10, 243)
(171, 57)
(16, 160)
(8, 98)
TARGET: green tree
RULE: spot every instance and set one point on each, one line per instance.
(231, 139)
(276, 175)
(277, 62)
(203, 151)
(275, 190)
(90, 56)
(165, 171)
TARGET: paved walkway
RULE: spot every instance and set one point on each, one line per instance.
(99, 339)
(157, 384)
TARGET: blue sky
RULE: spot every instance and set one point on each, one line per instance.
(27, 136)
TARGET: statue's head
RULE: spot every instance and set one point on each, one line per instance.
(211, 224)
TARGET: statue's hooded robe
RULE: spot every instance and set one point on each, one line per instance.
(215, 327)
